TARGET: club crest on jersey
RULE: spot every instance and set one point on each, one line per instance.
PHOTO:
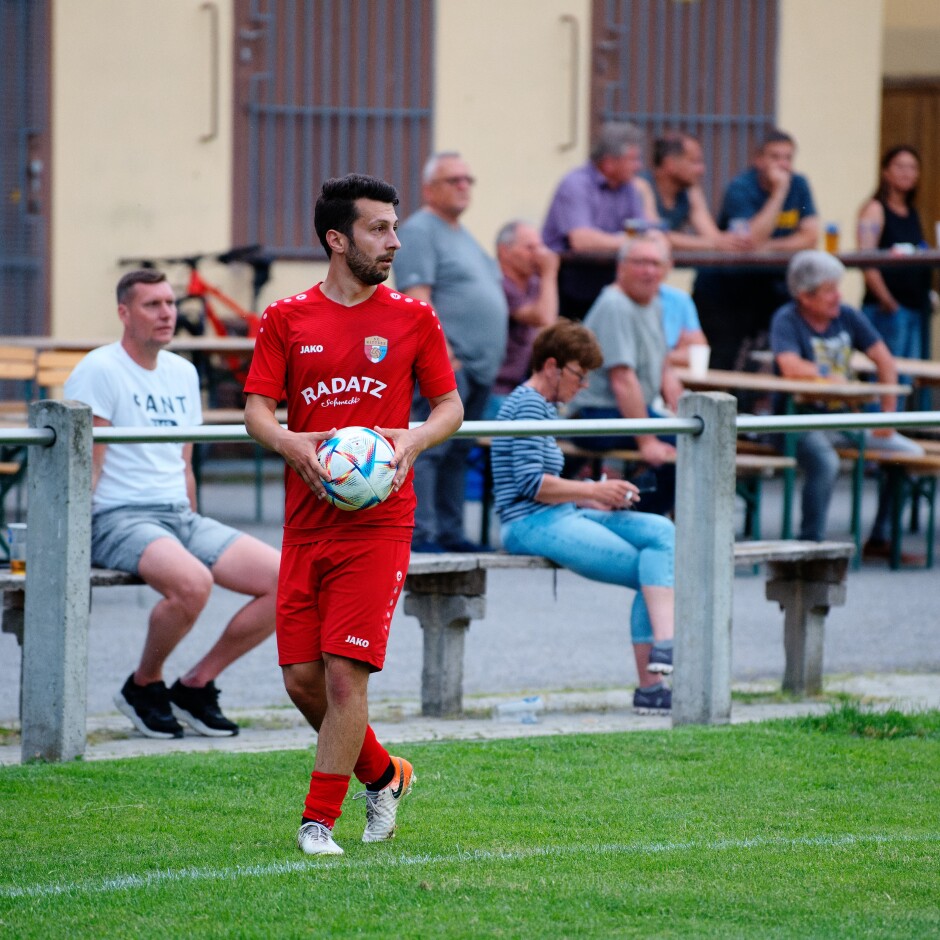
(376, 347)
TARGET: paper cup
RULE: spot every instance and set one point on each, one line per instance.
(698, 359)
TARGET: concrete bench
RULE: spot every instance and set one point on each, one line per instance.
(446, 591)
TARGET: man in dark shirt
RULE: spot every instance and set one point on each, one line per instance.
(774, 207)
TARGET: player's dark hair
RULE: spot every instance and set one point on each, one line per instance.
(566, 341)
(336, 204)
(125, 286)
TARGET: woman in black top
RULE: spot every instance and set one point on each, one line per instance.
(897, 300)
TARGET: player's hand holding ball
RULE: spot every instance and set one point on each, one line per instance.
(359, 464)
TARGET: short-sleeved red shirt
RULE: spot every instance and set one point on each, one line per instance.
(341, 366)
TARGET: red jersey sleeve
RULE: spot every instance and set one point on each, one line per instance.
(268, 373)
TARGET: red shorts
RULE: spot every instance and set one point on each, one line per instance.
(338, 596)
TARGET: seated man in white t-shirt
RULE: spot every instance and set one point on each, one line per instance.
(143, 518)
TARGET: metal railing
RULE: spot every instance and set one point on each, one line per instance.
(58, 563)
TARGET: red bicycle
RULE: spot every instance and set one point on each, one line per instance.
(196, 310)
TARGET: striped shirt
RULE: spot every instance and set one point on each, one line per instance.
(519, 463)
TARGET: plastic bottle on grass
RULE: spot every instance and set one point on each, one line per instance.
(525, 710)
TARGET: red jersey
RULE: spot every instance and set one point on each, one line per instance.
(341, 366)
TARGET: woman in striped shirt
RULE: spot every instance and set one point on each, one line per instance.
(585, 525)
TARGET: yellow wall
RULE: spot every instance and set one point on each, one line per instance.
(130, 100)
(829, 98)
(503, 98)
(912, 38)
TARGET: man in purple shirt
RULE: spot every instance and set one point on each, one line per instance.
(590, 210)
(530, 282)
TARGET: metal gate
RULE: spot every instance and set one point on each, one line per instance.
(23, 166)
(706, 67)
(325, 88)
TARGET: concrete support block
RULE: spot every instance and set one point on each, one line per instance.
(444, 618)
(55, 647)
(805, 592)
(704, 561)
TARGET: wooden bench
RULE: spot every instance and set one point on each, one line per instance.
(908, 476)
(446, 591)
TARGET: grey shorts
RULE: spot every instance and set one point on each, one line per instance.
(120, 535)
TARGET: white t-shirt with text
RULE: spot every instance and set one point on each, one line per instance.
(127, 395)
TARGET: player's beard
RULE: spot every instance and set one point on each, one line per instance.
(363, 267)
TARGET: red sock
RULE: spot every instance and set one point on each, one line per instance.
(325, 797)
(373, 758)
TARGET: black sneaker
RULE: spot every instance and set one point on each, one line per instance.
(148, 707)
(655, 700)
(661, 658)
(199, 708)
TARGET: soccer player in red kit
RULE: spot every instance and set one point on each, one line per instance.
(348, 351)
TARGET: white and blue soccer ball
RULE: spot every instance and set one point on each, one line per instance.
(358, 461)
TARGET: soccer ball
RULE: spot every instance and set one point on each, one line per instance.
(358, 461)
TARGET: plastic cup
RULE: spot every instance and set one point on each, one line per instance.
(16, 539)
(699, 354)
(832, 238)
(635, 227)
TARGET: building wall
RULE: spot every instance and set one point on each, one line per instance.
(911, 42)
(130, 102)
(504, 98)
(829, 98)
(131, 177)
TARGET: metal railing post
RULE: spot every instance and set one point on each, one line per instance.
(55, 644)
(704, 561)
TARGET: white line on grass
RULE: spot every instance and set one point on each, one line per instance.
(128, 882)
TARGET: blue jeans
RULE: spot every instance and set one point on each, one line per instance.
(817, 458)
(621, 547)
(440, 473)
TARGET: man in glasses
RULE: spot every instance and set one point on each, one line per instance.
(627, 320)
(441, 262)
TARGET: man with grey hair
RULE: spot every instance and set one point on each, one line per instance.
(813, 337)
(591, 208)
(442, 263)
(530, 282)
(627, 320)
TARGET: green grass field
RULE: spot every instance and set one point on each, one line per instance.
(812, 828)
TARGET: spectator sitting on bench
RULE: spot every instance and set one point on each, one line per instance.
(144, 520)
(813, 338)
(627, 319)
(585, 525)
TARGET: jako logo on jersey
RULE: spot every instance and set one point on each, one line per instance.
(355, 383)
(310, 349)
(357, 641)
(375, 348)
